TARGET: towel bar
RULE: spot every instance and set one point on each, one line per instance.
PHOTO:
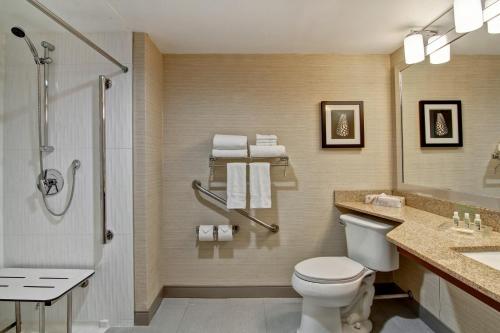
(282, 161)
(197, 187)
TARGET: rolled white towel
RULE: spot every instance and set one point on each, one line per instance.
(232, 142)
(266, 137)
(229, 153)
(267, 151)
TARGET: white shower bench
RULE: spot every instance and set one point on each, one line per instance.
(42, 286)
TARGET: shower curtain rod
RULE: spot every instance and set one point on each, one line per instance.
(77, 33)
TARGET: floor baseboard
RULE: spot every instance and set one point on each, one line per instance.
(143, 318)
(229, 292)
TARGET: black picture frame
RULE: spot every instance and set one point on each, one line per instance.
(359, 105)
(425, 130)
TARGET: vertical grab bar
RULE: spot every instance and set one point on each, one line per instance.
(104, 84)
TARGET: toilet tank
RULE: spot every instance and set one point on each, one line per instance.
(366, 242)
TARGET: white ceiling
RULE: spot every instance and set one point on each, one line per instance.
(254, 26)
(244, 26)
(278, 26)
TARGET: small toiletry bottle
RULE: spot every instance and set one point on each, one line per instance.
(467, 220)
(456, 219)
(477, 222)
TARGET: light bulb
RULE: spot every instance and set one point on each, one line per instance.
(440, 56)
(468, 15)
(414, 48)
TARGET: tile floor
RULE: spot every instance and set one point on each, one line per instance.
(258, 315)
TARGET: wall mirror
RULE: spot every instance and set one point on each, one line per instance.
(450, 119)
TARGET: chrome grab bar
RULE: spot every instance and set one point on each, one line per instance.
(104, 84)
(197, 186)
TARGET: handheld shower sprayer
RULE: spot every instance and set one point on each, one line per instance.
(19, 32)
(50, 181)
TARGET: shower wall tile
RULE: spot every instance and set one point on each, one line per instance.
(2, 84)
(32, 237)
(80, 217)
(49, 251)
(119, 193)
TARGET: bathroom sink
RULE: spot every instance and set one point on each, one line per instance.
(490, 258)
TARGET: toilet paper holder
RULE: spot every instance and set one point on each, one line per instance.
(236, 229)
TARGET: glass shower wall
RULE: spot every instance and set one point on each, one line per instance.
(5, 308)
(30, 236)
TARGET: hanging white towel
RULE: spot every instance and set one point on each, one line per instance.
(236, 185)
(233, 142)
(260, 185)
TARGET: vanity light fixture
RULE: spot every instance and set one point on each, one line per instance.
(494, 23)
(414, 48)
(442, 55)
(468, 15)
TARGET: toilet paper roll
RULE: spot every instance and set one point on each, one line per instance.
(206, 233)
(225, 233)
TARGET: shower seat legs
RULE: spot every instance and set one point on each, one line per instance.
(18, 316)
(69, 312)
(41, 318)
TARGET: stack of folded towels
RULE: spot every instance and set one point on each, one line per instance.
(267, 146)
(229, 146)
(266, 140)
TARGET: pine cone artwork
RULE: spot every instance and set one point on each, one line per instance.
(343, 126)
(441, 127)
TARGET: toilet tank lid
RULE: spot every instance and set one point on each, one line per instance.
(367, 222)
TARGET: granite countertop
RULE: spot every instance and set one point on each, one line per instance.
(430, 238)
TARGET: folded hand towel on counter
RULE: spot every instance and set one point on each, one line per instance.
(236, 185)
(260, 185)
(385, 200)
(267, 151)
(230, 142)
(229, 153)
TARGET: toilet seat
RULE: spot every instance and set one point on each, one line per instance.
(330, 270)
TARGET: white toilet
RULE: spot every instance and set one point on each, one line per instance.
(338, 291)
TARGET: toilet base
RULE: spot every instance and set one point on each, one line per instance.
(321, 319)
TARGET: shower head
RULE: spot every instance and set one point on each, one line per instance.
(19, 32)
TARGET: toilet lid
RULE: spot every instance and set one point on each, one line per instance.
(329, 270)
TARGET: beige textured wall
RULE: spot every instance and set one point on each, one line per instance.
(475, 80)
(249, 94)
(148, 138)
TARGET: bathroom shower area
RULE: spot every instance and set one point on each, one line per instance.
(66, 197)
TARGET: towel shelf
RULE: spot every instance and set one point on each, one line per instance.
(197, 186)
(220, 162)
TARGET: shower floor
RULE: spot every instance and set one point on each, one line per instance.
(260, 315)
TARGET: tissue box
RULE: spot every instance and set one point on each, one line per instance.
(385, 200)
